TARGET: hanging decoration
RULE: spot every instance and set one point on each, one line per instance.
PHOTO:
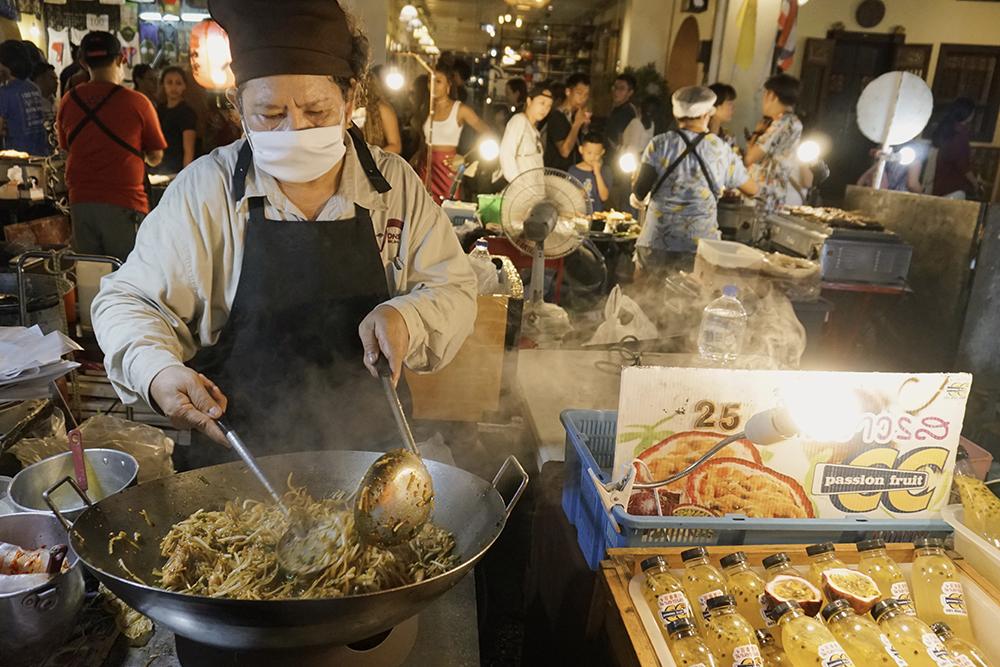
(210, 56)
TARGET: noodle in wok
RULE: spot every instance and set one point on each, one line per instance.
(232, 553)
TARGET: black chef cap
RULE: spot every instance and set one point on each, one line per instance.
(287, 37)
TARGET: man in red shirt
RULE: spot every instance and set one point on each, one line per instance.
(111, 133)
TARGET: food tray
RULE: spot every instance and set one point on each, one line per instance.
(877, 259)
(981, 554)
(621, 580)
(590, 445)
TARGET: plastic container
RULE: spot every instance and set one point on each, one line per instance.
(723, 327)
(590, 445)
(730, 255)
(982, 556)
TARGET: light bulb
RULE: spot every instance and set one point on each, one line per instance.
(822, 409)
(518, 22)
(808, 151)
(407, 13)
(489, 150)
(907, 155)
(628, 163)
(507, 18)
(394, 80)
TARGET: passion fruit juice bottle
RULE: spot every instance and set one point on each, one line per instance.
(745, 586)
(966, 654)
(937, 591)
(875, 562)
(775, 565)
(806, 641)
(822, 557)
(664, 593)
(702, 582)
(730, 636)
(864, 642)
(687, 647)
(772, 653)
(914, 640)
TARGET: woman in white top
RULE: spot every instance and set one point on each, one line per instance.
(521, 148)
(448, 116)
(651, 121)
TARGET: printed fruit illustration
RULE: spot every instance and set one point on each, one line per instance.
(734, 486)
(644, 502)
(858, 589)
(787, 587)
(682, 449)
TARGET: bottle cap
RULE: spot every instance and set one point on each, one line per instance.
(764, 638)
(733, 559)
(817, 549)
(721, 601)
(691, 554)
(869, 545)
(924, 542)
(680, 625)
(650, 563)
(783, 608)
(881, 608)
(775, 559)
(730, 290)
(941, 629)
(835, 606)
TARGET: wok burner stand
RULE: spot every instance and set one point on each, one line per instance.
(389, 649)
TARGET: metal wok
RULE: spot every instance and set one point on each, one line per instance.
(471, 508)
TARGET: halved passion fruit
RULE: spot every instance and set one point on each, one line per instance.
(858, 589)
(787, 587)
(734, 486)
(682, 449)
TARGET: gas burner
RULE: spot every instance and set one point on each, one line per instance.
(388, 649)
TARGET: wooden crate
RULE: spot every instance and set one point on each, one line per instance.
(614, 615)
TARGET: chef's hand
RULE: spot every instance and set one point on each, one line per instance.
(189, 400)
(384, 332)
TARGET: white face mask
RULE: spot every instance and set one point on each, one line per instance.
(298, 156)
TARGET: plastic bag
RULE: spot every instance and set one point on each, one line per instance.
(622, 318)
(149, 445)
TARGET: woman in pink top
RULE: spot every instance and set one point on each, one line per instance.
(448, 116)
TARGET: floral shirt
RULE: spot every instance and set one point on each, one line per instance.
(684, 209)
(774, 172)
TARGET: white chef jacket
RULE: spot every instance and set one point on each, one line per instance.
(521, 147)
(174, 293)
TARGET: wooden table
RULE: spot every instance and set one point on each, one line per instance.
(550, 381)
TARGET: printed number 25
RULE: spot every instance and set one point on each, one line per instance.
(729, 418)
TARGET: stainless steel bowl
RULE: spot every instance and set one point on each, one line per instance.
(38, 619)
(113, 470)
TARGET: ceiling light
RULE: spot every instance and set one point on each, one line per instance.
(518, 22)
(407, 13)
(493, 53)
(394, 79)
(426, 41)
(150, 16)
(907, 155)
(171, 18)
(194, 17)
(507, 18)
(433, 50)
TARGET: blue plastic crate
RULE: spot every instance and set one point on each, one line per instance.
(590, 445)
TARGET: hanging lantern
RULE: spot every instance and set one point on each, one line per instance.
(210, 57)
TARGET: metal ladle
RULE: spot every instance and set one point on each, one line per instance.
(302, 547)
(393, 501)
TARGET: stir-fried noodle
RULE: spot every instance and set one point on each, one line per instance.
(232, 553)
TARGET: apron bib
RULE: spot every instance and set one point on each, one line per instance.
(289, 357)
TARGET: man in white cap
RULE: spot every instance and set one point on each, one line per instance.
(276, 269)
(683, 173)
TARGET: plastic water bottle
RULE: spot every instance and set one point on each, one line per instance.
(723, 325)
(486, 271)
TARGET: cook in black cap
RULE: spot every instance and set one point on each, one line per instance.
(276, 269)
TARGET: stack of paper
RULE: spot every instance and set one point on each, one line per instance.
(31, 360)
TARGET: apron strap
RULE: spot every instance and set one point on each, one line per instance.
(375, 177)
(243, 161)
(92, 117)
(690, 147)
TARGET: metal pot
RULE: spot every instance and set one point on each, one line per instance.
(114, 471)
(40, 618)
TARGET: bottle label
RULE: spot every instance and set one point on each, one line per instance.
(891, 650)
(768, 621)
(953, 599)
(832, 654)
(964, 660)
(747, 655)
(673, 606)
(703, 601)
(900, 591)
(936, 650)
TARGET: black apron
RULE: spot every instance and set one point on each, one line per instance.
(289, 358)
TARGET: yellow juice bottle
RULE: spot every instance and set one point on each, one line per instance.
(687, 647)
(913, 638)
(702, 582)
(730, 636)
(822, 557)
(806, 641)
(745, 586)
(664, 593)
(773, 655)
(864, 642)
(876, 563)
(775, 565)
(966, 654)
(937, 590)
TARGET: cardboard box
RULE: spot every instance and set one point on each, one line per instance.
(869, 444)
